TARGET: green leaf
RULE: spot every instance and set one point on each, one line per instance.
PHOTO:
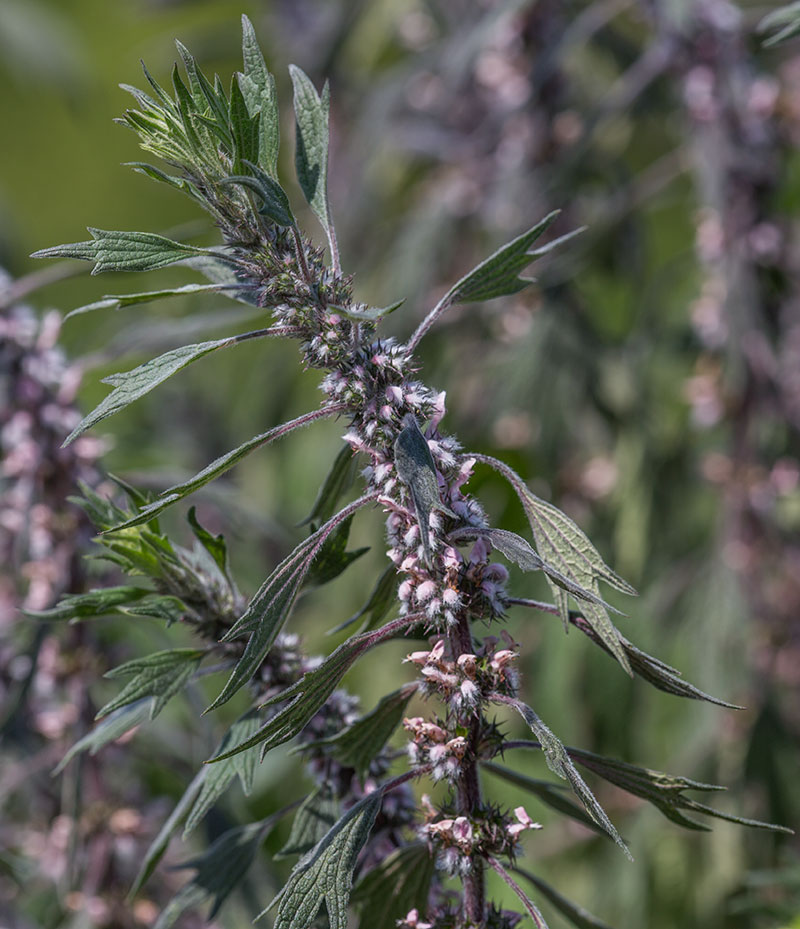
(259, 92)
(367, 313)
(213, 544)
(653, 670)
(216, 468)
(577, 915)
(124, 251)
(551, 795)
(270, 607)
(333, 558)
(497, 275)
(785, 20)
(160, 675)
(306, 696)
(245, 126)
(220, 869)
(220, 271)
(101, 602)
(568, 550)
(315, 817)
(158, 846)
(311, 146)
(170, 609)
(218, 777)
(357, 745)
(338, 482)
(381, 600)
(558, 760)
(399, 884)
(664, 791)
(131, 385)
(113, 727)
(416, 469)
(324, 875)
(274, 202)
(120, 301)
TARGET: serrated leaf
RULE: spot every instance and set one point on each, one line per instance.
(399, 884)
(558, 760)
(274, 202)
(244, 126)
(218, 777)
(333, 557)
(120, 301)
(305, 697)
(664, 791)
(216, 468)
(497, 275)
(131, 385)
(568, 550)
(363, 740)
(576, 914)
(381, 600)
(312, 822)
(259, 92)
(95, 603)
(270, 607)
(124, 251)
(311, 146)
(324, 875)
(160, 675)
(653, 670)
(338, 482)
(158, 846)
(213, 544)
(113, 727)
(416, 469)
(220, 869)
(551, 795)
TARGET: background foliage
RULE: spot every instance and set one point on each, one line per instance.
(650, 386)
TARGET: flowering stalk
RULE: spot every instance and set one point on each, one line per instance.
(442, 577)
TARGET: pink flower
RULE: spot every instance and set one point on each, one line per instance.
(523, 822)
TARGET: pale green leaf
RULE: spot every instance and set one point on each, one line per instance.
(113, 727)
(258, 88)
(101, 602)
(312, 821)
(124, 251)
(120, 301)
(160, 675)
(367, 313)
(784, 22)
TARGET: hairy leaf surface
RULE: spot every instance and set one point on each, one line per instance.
(399, 884)
(312, 821)
(160, 675)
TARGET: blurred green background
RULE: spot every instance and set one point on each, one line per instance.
(649, 385)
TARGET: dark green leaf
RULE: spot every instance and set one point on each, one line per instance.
(577, 915)
(274, 202)
(664, 791)
(170, 609)
(311, 145)
(113, 727)
(324, 875)
(338, 482)
(95, 603)
(123, 251)
(131, 385)
(416, 469)
(259, 92)
(380, 601)
(213, 544)
(218, 777)
(333, 558)
(552, 795)
(312, 822)
(160, 675)
(399, 884)
(217, 467)
(497, 275)
(244, 125)
(560, 764)
(362, 741)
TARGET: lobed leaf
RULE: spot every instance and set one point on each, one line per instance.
(416, 469)
(576, 914)
(124, 251)
(664, 791)
(113, 727)
(160, 675)
(399, 884)
(559, 762)
(324, 875)
(315, 817)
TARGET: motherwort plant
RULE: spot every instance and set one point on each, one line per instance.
(442, 585)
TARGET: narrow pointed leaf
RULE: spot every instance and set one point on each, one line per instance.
(113, 727)
(312, 821)
(368, 313)
(381, 599)
(259, 92)
(245, 126)
(101, 602)
(124, 251)
(213, 544)
(120, 301)
(530, 907)
(324, 875)
(399, 884)
(338, 482)
(274, 202)
(333, 557)
(576, 914)
(160, 675)
(558, 760)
